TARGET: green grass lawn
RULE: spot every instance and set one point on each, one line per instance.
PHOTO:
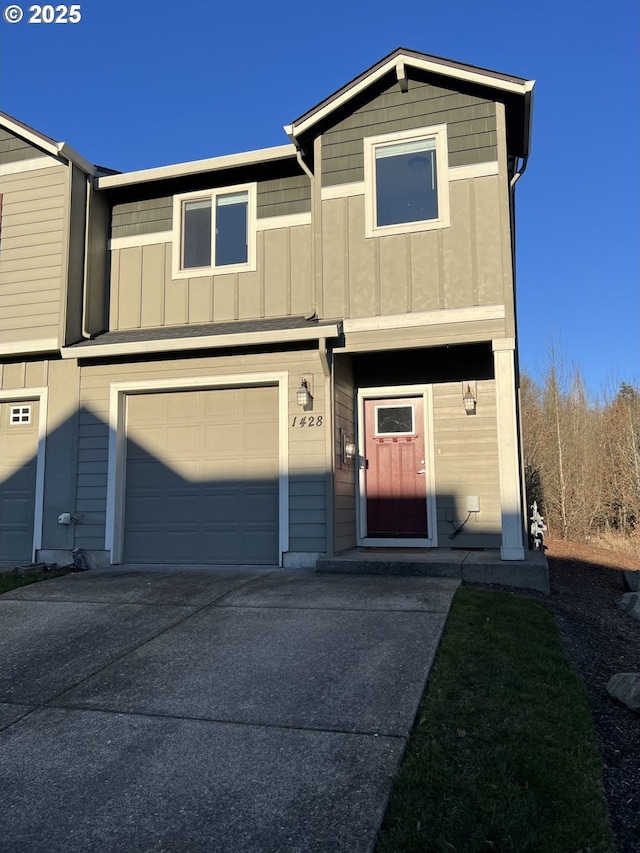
(13, 580)
(503, 756)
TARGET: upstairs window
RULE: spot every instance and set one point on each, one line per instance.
(406, 181)
(214, 232)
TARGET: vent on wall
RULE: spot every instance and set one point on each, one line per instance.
(20, 415)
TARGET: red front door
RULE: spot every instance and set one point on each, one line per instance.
(395, 474)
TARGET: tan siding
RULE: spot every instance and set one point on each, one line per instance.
(151, 286)
(31, 253)
(423, 336)
(426, 279)
(143, 293)
(300, 254)
(452, 267)
(335, 247)
(458, 249)
(466, 463)
(362, 270)
(277, 279)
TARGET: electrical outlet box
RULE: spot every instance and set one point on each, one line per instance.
(473, 503)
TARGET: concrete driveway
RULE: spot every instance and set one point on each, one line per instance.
(205, 710)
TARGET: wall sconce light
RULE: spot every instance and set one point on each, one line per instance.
(304, 395)
(469, 397)
(348, 448)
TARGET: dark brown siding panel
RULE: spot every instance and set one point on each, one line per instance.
(470, 120)
(284, 196)
(13, 148)
(142, 217)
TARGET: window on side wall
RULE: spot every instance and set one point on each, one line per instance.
(406, 181)
(214, 231)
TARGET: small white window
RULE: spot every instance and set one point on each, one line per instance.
(214, 231)
(407, 181)
(20, 415)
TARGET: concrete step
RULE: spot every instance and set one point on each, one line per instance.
(483, 566)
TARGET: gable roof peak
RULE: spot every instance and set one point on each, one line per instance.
(397, 60)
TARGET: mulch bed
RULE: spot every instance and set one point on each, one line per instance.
(601, 640)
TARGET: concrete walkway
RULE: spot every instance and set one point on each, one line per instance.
(197, 711)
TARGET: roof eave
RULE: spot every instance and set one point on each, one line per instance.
(502, 83)
(213, 164)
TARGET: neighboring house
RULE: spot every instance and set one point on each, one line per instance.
(158, 329)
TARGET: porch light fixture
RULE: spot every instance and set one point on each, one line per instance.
(304, 395)
(469, 399)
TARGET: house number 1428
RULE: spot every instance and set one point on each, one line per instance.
(307, 421)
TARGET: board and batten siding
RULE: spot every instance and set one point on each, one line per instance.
(31, 253)
(466, 463)
(470, 120)
(453, 267)
(278, 197)
(143, 294)
(345, 473)
(307, 454)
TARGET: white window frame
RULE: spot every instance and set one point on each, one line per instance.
(437, 133)
(20, 415)
(178, 271)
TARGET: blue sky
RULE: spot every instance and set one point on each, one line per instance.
(141, 84)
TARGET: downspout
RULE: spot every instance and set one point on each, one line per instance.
(329, 445)
(523, 480)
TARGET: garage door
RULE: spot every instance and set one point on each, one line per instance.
(202, 477)
(18, 460)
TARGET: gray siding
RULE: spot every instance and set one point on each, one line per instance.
(471, 128)
(142, 217)
(345, 484)
(13, 148)
(284, 196)
(62, 378)
(279, 197)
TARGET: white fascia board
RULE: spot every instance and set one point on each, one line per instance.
(178, 345)
(213, 164)
(478, 77)
(31, 136)
(43, 345)
(72, 156)
(56, 149)
(425, 318)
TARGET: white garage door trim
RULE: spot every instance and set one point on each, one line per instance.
(19, 395)
(114, 532)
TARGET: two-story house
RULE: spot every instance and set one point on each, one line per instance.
(271, 356)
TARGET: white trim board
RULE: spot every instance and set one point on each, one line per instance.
(33, 165)
(456, 173)
(40, 345)
(116, 465)
(425, 318)
(42, 395)
(179, 345)
(194, 167)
